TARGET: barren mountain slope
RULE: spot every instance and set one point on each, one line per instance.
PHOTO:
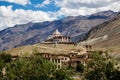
(111, 29)
(31, 33)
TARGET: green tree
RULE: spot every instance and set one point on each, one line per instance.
(62, 74)
(34, 68)
(4, 59)
(1, 66)
(80, 67)
(115, 75)
(100, 68)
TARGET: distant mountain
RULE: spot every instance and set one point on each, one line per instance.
(110, 29)
(100, 15)
(31, 33)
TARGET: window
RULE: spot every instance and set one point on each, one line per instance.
(65, 58)
(59, 66)
(55, 60)
(58, 60)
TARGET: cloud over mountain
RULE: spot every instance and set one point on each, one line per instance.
(24, 11)
(9, 17)
(86, 7)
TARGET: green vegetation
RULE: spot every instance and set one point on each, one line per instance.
(80, 67)
(98, 67)
(101, 67)
(33, 68)
(30, 68)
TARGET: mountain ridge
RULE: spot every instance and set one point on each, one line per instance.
(111, 29)
(31, 33)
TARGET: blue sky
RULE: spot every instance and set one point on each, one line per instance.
(23, 11)
(33, 5)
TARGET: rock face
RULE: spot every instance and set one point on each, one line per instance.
(111, 29)
(31, 33)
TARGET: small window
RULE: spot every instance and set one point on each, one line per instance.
(59, 67)
(55, 60)
(58, 60)
(65, 58)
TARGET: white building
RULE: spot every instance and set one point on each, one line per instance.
(58, 37)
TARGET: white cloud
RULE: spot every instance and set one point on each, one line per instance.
(44, 3)
(85, 7)
(84, 3)
(75, 12)
(21, 2)
(9, 18)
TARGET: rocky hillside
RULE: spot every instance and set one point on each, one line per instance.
(110, 29)
(31, 33)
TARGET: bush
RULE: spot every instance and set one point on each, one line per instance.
(80, 67)
(29, 69)
(101, 68)
(5, 57)
(33, 68)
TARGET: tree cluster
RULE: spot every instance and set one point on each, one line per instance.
(98, 67)
(30, 68)
(101, 67)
